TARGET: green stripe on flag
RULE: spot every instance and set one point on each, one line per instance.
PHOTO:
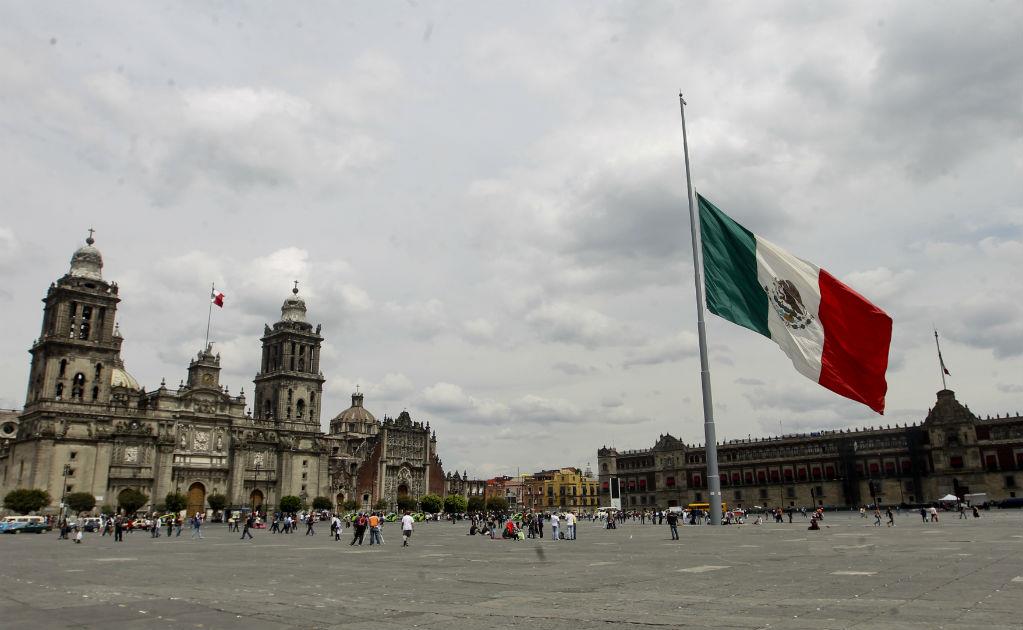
(730, 270)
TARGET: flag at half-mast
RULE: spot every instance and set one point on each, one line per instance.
(217, 297)
(832, 334)
(942, 361)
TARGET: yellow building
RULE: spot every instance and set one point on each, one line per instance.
(560, 489)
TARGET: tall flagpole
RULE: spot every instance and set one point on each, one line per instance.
(209, 318)
(941, 362)
(711, 449)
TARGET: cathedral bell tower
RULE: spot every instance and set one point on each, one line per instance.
(289, 383)
(78, 347)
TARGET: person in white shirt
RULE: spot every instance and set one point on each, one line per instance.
(554, 526)
(406, 528)
(570, 525)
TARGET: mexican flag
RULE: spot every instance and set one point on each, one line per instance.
(832, 334)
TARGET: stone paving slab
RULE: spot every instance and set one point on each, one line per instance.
(848, 575)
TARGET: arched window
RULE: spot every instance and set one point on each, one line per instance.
(83, 328)
(63, 367)
(78, 386)
(267, 410)
(99, 370)
(95, 392)
(71, 319)
(301, 358)
(312, 404)
(299, 408)
(59, 394)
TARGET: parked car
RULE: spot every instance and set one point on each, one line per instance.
(1014, 502)
(34, 520)
(92, 524)
(24, 528)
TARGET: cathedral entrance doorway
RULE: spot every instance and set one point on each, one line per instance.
(340, 504)
(256, 500)
(402, 490)
(196, 499)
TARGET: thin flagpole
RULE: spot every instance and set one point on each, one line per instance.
(941, 362)
(711, 450)
(209, 317)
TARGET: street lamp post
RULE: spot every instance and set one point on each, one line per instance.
(63, 493)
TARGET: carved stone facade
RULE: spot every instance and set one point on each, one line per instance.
(952, 451)
(378, 461)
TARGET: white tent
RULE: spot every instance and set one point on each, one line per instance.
(949, 497)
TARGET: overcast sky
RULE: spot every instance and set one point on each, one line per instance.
(485, 203)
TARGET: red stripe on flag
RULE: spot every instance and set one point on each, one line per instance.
(857, 336)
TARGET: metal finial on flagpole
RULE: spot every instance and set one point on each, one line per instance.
(711, 449)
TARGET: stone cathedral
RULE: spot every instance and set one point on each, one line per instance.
(88, 426)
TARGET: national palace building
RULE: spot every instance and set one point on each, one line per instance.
(89, 426)
(952, 451)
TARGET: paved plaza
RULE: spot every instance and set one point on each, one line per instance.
(951, 574)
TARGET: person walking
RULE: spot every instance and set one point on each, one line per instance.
(309, 521)
(170, 526)
(178, 522)
(359, 529)
(249, 522)
(374, 530)
(891, 517)
(118, 529)
(877, 517)
(673, 525)
(335, 527)
(196, 526)
(406, 529)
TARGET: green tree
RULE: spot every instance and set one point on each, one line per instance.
(431, 503)
(497, 504)
(215, 501)
(291, 503)
(323, 503)
(25, 500)
(175, 501)
(131, 500)
(350, 505)
(455, 504)
(476, 504)
(107, 510)
(405, 502)
(80, 502)
(382, 504)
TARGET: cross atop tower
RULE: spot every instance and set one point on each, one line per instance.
(90, 240)
(295, 290)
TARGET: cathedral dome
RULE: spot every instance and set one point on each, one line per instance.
(87, 262)
(120, 378)
(293, 309)
(356, 414)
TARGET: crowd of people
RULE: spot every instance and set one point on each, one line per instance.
(541, 525)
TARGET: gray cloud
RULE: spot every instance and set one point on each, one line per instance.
(463, 216)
